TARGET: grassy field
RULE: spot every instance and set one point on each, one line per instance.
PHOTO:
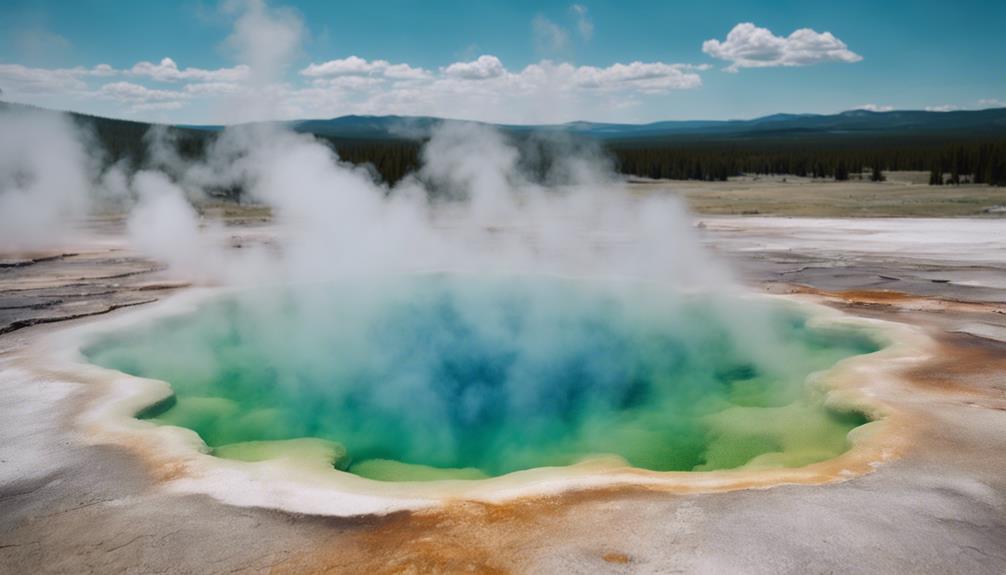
(905, 194)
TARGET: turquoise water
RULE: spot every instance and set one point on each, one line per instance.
(429, 377)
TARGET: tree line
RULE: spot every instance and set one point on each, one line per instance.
(979, 161)
(960, 160)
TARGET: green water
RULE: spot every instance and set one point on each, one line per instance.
(436, 377)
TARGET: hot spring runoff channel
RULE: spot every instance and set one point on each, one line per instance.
(437, 377)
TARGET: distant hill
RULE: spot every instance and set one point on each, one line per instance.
(853, 122)
(969, 145)
(962, 123)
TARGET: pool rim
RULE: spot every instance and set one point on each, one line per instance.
(181, 461)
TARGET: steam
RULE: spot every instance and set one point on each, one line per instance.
(267, 39)
(479, 203)
(162, 224)
(473, 207)
(44, 179)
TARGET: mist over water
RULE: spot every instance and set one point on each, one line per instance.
(447, 376)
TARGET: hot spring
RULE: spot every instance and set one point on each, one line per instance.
(427, 377)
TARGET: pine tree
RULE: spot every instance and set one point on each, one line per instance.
(877, 175)
(936, 176)
(841, 172)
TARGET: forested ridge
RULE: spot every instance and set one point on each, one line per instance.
(978, 160)
(950, 156)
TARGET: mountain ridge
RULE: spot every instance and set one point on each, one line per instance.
(987, 122)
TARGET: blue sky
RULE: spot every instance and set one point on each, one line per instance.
(519, 62)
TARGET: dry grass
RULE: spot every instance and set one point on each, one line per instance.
(900, 196)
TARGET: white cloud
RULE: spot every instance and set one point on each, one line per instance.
(130, 92)
(345, 66)
(356, 66)
(943, 108)
(139, 98)
(647, 77)
(748, 46)
(38, 80)
(167, 71)
(484, 67)
(16, 78)
(350, 82)
(875, 107)
(483, 88)
(405, 72)
(213, 88)
(549, 36)
(583, 23)
(992, 103)
(22, 79)
(103, 70)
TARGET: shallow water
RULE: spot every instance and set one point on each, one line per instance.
(432, 377)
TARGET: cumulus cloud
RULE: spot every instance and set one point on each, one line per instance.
(484, 67)
(748, 46)
(875, 107)
(350, 82)
(23, 79)
(353, 65)
(140, 98)
(991, 103)
(405, 72)
(266, 40)
(102, 70)
(356, 66)
(943, 108)
(128, 91)
(584, 25)
(645, 76)
(213, 88)
(484, 89)
(167, 71)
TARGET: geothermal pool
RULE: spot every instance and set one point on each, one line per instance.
(449, 377)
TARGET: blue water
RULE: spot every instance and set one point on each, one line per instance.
(429, 377)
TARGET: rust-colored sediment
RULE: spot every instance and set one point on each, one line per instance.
(965, 371)
(898, 299)
(464, 537)
(964, 361)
